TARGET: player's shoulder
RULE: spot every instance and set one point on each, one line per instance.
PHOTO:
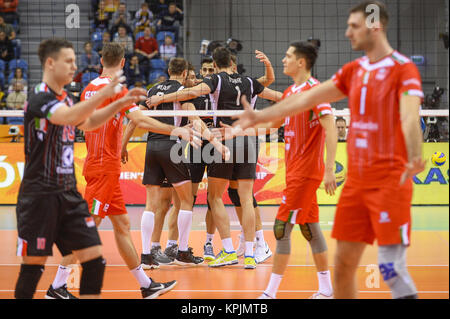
(400, 59)
(313, 82)
(41, 93)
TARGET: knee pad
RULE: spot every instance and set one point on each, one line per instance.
(255, 203)
(234, 197)
(392, 265)
(29, 277)
(92, 276)
(282, 231)
(313, 234)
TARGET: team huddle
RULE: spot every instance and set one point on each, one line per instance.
(383, 144)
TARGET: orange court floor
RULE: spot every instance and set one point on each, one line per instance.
(428, 261)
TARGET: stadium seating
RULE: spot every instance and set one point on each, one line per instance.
(17, 63)
(160, 36)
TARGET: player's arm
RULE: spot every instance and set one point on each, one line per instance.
(410, 121)
(328, 123)
(326, 92)
(78, 113)
(99, 117)
(271, 95)
(182, 95)
(129, 131)
(269, 77)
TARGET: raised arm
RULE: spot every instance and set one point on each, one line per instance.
(269, 77)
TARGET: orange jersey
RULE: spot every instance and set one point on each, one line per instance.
(305, 138)
(375, 144)
(104, 144)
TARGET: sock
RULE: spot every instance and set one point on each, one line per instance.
(61, 277)
(274, 283)
(171, 242)
(325, 283)
(184, 227)
(259, 237)
(26, 284)
(228, 245)
(157, 244)
(209, 238)
(249, 249)
(147, 224)
(141, 276)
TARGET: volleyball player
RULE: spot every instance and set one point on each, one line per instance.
(384, 149)
(63, 217)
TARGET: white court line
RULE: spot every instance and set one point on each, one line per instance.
(230, 266)
(247, 291)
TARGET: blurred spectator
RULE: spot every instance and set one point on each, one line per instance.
(144, 18)
(168, 18)
(90, 60)
(341, 127)
(11, 34)
(16, 99)
(8, 10)
(6, 47)
(121, 18)
(146, 48)
(101, 17)
(160, 79)
(133, 72)
(159, 6)
(168, 50)
(18, 77)
(111, 6)
(106, 38)
(125, 40)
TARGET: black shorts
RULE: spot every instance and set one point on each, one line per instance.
(242, 163)
(164, 160)
(61, 218)
(198, 160)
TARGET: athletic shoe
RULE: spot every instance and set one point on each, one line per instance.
(157, 289)
(241, 248)
(159, 256)
(262, 253)
(208, 252)
(318, 295)
(187, 258)
(148, 262)
(224, 259)
(249, 262)
(265, 296)
(171, 252)
(60, 293)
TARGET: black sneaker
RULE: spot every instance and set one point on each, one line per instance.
(187, 258)
(60, 293)
(171, 252)
(160, 257)
(157, 289)
(148, 262)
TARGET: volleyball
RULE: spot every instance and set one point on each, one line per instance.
(438, 159)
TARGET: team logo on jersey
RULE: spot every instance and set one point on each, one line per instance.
(384, 218)
(67, 156)
(381, 74)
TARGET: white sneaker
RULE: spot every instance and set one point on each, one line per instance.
(241, 249)
(265, 296)
(319, 295)
(262, 253)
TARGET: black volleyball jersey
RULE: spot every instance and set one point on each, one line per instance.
(227, 90)
(49, 164)
(164, 88)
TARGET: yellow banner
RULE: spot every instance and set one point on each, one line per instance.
(430, 186)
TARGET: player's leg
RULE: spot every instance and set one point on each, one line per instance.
(245, 191)
(172, 237)
(234, 198)
(58, 289)
(30, 273)
(208, 248)
(93, 270)
(262, 249)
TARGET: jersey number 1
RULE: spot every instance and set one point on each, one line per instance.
(238, 99)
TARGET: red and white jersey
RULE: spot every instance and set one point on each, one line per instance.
(104, 144)
(375, 144)
(305, 138)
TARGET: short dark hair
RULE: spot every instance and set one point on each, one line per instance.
(222, 57)
(177, 66)
(207, 60)
(191, 67)
(112, 54)
(384, 15)
(306, 50)
(51, 47)
(340, 118)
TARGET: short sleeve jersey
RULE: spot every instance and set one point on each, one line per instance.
(49, 165)
(226, 92)
(104, 144)
(375, 144)
(305, 137)
(166, 87)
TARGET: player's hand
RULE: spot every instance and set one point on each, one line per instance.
(413, 168)
(329, 181)
(188, 133)
(262, 57)
(124, 156)
(154, 100)
(225, 151)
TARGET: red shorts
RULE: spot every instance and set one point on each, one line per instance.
(299, 203)
(384, 213)
(104, 196)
